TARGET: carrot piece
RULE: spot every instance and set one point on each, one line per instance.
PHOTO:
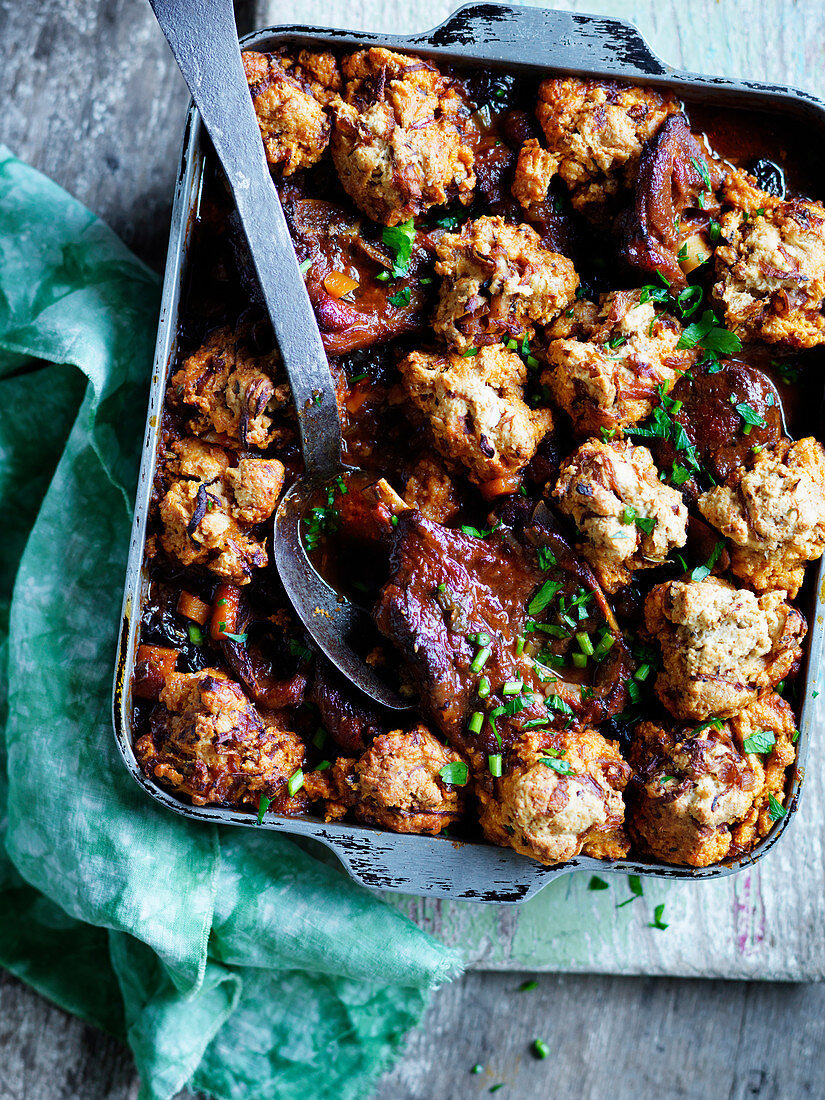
(337, 284)
(499, 486)
(154, 665)
(193, 607)
(225, 611)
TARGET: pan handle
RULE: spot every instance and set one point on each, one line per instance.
(556, 39)
(437, 867)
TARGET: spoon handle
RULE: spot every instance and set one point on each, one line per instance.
(204, 41)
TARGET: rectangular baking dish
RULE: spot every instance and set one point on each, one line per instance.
(531, 40)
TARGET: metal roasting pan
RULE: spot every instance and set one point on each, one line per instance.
(533, 41)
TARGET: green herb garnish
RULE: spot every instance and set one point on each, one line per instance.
(399, 239)
(454, 773)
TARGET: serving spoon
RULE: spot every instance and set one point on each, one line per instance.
(204, 40)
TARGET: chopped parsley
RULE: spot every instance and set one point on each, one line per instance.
(776, 811)
(540, 1048)
(714, 231)
(546, 557)
(702, 571)
(644, 523)
(528, 987)
(636, 890)
(702, 168)
(710, 336)
(263, 806)
(657, 921)
(762, 741)
(750, 417)
(399, 239)
(401, 298)
(543, 597)
(712, 723)
(454, 773)
(680, 474)
(597, 883)
(239, 638)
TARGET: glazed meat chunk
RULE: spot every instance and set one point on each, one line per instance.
(459, 608)
(399, 141)
(628, 519)
(703, 793)
(497, 280)
(211, 507)
(770, 268)
(476, 410)
(605, 362)
(561, 796)
(720, 645)
(209, 742)
(289, 99)
(596, 131)
(773, 512)
(396, 784)
(234, 393)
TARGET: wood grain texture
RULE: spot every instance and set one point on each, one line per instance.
(91, 97)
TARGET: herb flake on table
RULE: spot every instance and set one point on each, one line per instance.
(657, 921)
(636, 890)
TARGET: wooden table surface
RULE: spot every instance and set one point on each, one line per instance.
(90, 96)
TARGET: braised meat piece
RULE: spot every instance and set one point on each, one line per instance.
(675, 198)
(497, 280)
(209, 742)
(596, 130)
(259, 649)
(350, 719)
(400, 141)
(629, 520)
(475, 408)
(607, 363)
(720, 645)
(773, 511)
(211, 507)
(771, 265)
(561, 796)
(709, 407)
(241, 396)
(289, 98)
(344, 260)
(396, 784)
(487, 627)
(701, 794)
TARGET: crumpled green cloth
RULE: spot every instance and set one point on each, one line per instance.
(233, 961)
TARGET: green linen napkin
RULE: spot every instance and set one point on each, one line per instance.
(233, 961)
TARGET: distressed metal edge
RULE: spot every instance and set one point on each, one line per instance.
(419, 865)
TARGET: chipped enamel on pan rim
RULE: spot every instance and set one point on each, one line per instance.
(536, 41)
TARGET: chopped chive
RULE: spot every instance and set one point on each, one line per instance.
(322, 767)
(394, 521)
(540, 1048)
(580, 660)
(477, 1068)
(476, 722)
(305, 266)
(383, 276)
(479, 639)
(481, 658)
(532, 362)
(296, 781)
(642, 673)
(585, 645)
(483, 687)
(469, 352)
(263, 806)
(494, 764)
(520, 645)
(319, 737)
(512, 687)
(195, 634)
(527, 987)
